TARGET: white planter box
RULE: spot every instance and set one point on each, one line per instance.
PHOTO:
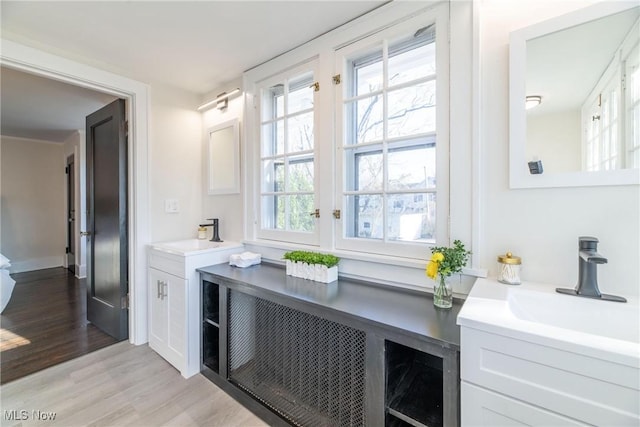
(315, 272)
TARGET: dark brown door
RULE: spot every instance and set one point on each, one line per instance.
(71, 214)
(107, 285)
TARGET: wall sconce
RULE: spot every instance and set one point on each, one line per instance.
(532, 101)
(221, 101)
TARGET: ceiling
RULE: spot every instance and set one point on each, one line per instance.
(37, 108)
(197, 46)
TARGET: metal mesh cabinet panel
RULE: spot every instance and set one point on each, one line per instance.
(309, 370)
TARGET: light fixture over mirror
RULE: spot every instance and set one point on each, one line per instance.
(221, 101)
(585, 66)
(532, 101)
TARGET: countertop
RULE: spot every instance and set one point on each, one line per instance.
(399, 310)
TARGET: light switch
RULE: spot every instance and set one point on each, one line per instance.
(171, 206)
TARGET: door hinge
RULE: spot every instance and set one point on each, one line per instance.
(67, 250)
(124, 304)
(336, 79)
(315, 86)
(66, 170)
(336, 213)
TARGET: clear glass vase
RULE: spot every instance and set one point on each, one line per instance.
(443, 292)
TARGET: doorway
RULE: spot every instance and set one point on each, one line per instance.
(71, 214)
(44, 64)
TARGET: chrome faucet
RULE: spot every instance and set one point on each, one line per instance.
(588, 260)
(215, 236)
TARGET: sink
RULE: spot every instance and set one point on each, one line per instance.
(536, 312)
(587, 316)
(193, 246)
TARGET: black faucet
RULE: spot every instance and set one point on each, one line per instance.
(588, 260)
(215, 237)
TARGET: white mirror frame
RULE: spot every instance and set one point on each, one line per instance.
(519, 176)
(223, 158)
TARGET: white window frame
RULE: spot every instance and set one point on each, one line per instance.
(597, 108)
(439, 17)
(306, 238)
(465, 144)
(602, 138)
(630, 112)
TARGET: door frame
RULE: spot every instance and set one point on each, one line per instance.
(136, 95)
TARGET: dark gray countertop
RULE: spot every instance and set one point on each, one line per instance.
(403, 311)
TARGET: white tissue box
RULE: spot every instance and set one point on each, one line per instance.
(245, 259)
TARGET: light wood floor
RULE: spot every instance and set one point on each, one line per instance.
(121, 385)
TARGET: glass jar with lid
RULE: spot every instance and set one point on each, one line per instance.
(509, 269)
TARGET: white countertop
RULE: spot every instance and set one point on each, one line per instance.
(535, 312)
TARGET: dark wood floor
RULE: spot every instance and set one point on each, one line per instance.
(45, 323)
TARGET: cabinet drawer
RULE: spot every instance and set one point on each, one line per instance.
(576, 385)
(171, 264)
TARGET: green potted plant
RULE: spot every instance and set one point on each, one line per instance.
(312, 266)
(444, 262)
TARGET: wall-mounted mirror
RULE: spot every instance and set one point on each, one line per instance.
(223, 155)
(575, 99)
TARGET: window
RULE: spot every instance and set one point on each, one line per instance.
(287, 197)
(611, 113)
(632, 102)
(358, 131)
(602, 137)
(390, 142)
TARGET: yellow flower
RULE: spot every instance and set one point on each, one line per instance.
(432, 269)
(437, 257)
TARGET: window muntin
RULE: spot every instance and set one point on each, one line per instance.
(389, 188)
(288, 155)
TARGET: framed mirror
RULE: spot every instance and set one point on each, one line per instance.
(581, 70)
(223, 158)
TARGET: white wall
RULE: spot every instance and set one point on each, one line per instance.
(543, 225)
(175, 172)
(555, 139)
(33, 204)
(227, 208)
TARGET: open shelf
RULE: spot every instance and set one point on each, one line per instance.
(211, 326)
(414, 393)
(210, 302)
(210, 345)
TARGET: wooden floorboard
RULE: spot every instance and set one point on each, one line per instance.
(45, 323)
(121, 385)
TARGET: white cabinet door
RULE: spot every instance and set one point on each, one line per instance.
(157, 310)
(167, 317)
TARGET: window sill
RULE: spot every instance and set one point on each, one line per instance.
(405, 273)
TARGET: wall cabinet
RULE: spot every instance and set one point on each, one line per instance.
(347, 353)
(174, 299)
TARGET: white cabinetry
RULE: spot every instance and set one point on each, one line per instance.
(530, 356)
(174, 298)
(511, 382)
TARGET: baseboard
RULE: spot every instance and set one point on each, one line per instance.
(81, 271)
(36, 264)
